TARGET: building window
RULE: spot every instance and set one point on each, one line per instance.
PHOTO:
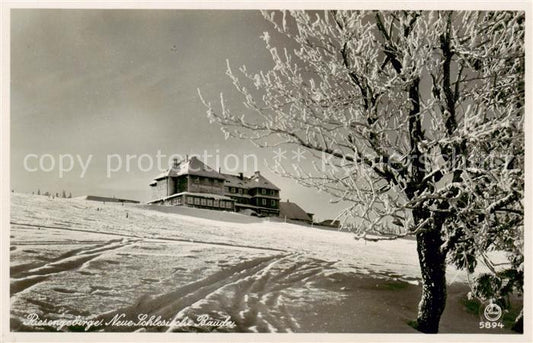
(273, 203)
(232, 189)
(190, 200)
(197, 201)
(203, 202)
(209, 202)
(263, 202)
(227, 189)
(178, 201)
(272, 192)
(263, 191)
(215, 203)
(240, 190)
(195, 179)
(228, 204)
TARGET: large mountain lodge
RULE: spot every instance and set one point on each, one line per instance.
(192, 183)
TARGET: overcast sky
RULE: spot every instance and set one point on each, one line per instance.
(104, 82)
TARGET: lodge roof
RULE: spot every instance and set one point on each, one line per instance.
(235, 181)
(258, 180)
(193, 166)
(255, 181)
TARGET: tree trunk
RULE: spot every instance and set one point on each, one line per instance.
(433, 266)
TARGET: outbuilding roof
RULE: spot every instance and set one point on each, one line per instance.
(291, 210)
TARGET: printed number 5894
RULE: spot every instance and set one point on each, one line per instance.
(490, 325)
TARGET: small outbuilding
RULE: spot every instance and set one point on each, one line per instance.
(106, 199)
(291, 211)
(330, 223)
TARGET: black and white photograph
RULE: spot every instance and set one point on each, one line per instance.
(234, 172)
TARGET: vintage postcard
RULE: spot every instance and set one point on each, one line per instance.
(223, 172)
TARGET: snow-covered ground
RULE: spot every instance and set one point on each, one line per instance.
(72, 257)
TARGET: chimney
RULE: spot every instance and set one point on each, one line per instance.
(241, 176)
(257, 173)
(175, 164)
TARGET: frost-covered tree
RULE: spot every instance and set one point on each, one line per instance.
(416, 120)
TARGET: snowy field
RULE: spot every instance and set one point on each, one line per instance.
(74, 258)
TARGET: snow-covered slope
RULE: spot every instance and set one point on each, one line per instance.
(378, 258)
(72, 257)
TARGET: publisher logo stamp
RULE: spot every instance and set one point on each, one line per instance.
(492, 312)
(490, 315)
